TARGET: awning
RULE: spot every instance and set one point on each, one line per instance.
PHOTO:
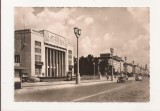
(19, 67)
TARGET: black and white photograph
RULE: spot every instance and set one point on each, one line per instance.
(81, 54)
(72, 55)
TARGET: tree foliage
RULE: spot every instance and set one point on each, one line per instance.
(91, 65)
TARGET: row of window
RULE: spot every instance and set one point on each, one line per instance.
(69, 57)
(38, 50)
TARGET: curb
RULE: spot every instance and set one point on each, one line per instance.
(59, 86)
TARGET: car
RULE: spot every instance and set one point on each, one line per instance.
(121, 79)
(33, 79)
(138, 78)
(17, 83)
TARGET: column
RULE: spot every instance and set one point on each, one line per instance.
(57, 63)
(46, 62)
(53, 62)
(62, 65)
(50, 65)
(60, 68)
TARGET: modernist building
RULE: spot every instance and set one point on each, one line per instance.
(42, 53)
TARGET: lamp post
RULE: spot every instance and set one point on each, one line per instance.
(77, 32)
(94, 68)
(133, 68)
(120, 65)
(112, 50)
(125, 65)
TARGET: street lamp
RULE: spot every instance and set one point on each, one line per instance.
(133, 68)
(125, 65)
(77, 32)
(112, 51)
(120, 65)
(94, 68)
(125, 59)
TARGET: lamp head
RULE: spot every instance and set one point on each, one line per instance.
(112, 50)
(125, 58)
(77, 31)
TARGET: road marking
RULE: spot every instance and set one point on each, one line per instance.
(75, 100)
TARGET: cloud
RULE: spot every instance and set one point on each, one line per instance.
(127, 30)
(87, 47)
(89, 20)
(49, 20)
(106, 18)
(23, 16)
(107, 37)
(141, 15)
(80, 18)
(71, 21)
(137, 49)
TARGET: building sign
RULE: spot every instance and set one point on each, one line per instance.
(54, 39)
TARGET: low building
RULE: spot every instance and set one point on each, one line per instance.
(43, 53)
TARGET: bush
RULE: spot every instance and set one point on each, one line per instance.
(33, 79)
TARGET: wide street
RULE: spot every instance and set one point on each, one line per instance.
(131, 91)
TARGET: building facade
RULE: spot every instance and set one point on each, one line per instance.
(117, 61)
(43, 53)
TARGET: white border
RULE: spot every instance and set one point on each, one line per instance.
(7, 50)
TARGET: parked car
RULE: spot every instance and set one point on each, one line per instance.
(33, 79)
(138, 78)
(17, 83)
(121, 79)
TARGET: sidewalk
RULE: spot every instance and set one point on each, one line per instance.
(39, 86)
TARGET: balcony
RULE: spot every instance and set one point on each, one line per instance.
(38, 63)
(16, 64)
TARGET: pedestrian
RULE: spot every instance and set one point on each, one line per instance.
(107, 77)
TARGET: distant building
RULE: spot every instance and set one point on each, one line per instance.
(128, 67)
(117, 61)
(42, 53)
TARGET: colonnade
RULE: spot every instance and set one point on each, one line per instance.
(54, 63)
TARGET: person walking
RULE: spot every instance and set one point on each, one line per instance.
(107, 77)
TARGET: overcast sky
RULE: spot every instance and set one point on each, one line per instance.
(124, 29)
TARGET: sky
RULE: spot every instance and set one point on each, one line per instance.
(126, 29)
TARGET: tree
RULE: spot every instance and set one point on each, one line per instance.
(104, 66)
(75, 65)
(90, 64)
(96, 61)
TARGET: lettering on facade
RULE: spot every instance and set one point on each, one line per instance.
(54, 39)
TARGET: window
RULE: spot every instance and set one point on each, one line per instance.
(37, 58)
(69, 62)
(38, 50)
(70, 56)
(37, 43)
(69, 52)
(17, 58)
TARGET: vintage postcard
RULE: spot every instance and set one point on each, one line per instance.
(98, 56)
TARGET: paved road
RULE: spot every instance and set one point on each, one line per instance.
(131, 91)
